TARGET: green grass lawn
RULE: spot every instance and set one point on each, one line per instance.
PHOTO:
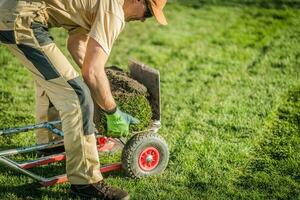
(230, 104)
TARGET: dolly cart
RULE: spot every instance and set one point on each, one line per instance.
(145, 153)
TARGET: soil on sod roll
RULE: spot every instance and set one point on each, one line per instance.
(131, 97)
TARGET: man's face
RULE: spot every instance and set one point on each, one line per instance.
(139, 10)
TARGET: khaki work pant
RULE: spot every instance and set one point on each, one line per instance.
(23, 29)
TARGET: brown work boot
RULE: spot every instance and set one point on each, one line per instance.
(99, 190)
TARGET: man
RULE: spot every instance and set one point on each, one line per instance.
(93, 26)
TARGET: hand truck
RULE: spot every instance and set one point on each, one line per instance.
(145, 153)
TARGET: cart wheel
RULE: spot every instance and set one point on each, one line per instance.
(145, 155)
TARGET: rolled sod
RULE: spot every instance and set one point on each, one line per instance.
(130, 96)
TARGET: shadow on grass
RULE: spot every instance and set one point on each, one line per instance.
(114, 174)
(32, 191)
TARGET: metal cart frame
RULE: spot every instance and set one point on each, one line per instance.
(143, 74)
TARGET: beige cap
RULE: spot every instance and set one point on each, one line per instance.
(156, 7)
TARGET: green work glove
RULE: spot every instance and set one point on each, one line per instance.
(118, 123)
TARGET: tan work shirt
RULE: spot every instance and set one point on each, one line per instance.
(103, 20)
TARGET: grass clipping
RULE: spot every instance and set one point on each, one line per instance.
(130, 96)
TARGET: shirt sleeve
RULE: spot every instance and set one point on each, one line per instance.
(105, 29)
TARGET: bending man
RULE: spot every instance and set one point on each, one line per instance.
(93, 26)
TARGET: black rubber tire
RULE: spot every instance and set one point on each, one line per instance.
(135, 146)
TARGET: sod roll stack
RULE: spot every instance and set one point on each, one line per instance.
(130, 96)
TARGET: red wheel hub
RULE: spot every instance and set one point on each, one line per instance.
(102, 141)
(149, 159)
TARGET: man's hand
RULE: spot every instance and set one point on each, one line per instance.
(118, 123)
